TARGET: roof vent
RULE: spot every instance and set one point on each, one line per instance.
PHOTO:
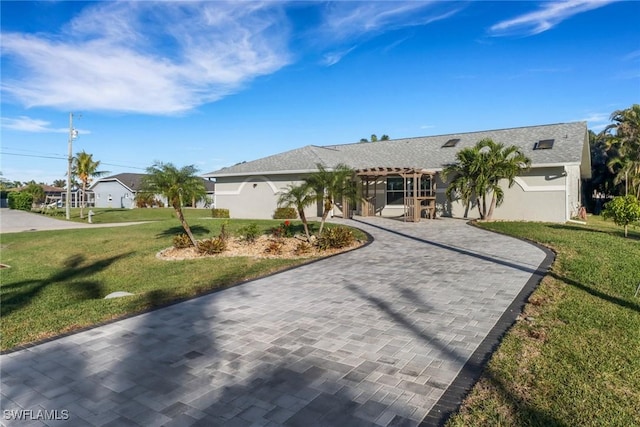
(544, 144)
(451, 143)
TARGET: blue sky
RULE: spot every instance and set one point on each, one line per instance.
(216, 83)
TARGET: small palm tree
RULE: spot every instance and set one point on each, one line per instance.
(332, 185)
(176, 185)
(85, 169)
(478, 171)
(298, 197)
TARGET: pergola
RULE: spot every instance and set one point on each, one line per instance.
(416, 199)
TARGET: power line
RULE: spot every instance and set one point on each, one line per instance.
(64, 158)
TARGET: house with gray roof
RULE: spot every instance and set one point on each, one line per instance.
(551, 190)
(119, 191)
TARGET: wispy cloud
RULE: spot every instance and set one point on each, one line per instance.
(358, 21)
(548, 16)
(28, 124)
(596, 121)
(144, 57)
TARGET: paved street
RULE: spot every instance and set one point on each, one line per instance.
(14, 221)
(373, 337)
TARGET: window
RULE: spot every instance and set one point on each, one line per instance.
(451, 143)
(395, 189)
(544, 144)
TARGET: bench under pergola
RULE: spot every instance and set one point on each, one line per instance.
(416, 199)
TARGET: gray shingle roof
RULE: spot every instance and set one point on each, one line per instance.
(133, 181)
(422, 152)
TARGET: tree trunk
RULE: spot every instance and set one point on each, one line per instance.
(82, 201)
(327, 208)
(303, 218)
(492, 207)
(186, 227)
(484, 207)
(479, 209)
(626, 229)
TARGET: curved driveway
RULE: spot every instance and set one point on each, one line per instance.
(371, 337)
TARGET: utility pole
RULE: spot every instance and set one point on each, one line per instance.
(73, 134)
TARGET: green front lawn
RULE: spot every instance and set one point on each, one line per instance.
(576, 360)
(57, 279)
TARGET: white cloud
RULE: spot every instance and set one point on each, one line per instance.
(356, 21)
(550, 15)
(596, 121)
(28, 124)
(144, 57)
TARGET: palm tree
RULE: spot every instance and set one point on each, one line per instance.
(60, 183)
(622, 139)
(332, 185)
(85, 169)
(298, 197)
(176, 185)
(478, 172)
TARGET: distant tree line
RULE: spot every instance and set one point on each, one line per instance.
(374, 138)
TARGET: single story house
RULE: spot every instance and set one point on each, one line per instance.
(119, 191)
(550, 191)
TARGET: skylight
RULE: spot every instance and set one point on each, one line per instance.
(544, 144)
(451, 142)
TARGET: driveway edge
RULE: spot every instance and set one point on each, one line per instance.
(451, 401)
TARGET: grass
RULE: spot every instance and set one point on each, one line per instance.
(58, 279)
(574, 359)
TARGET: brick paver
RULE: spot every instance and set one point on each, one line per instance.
(370, 337)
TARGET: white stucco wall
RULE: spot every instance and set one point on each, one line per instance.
(255, 197)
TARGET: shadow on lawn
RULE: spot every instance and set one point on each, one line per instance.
(75, 277)
(173, 231)
(614, 300)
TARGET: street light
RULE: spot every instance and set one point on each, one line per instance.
(73, 134)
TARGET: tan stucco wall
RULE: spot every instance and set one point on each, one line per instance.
(255, 197)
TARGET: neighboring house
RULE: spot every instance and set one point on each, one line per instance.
(550, 191)
(119, 191)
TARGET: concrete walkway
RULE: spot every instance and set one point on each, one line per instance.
(371, 337)
(15, 221)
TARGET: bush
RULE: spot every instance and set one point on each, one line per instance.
(250, 232)
(220, 213)
(285, 213)
(336, 238)
(274, 247)
(224, 233)
(283, 230)
(181, 241)
(20, 200)
(624, 210)
(212, 246)
(302, 248)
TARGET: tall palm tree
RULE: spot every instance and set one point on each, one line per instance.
(623, 143)
(85, 169)
(176, 185)
(478, 171)
(332, 185)
(298, 197)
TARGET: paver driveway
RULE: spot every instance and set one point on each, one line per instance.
(370, 337)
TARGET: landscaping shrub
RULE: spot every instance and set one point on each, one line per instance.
(220, 213)
(181, 241)
(302, 248)
(336, 238)
(224, 232)
(285, 213)
(274, 247)
(283, 230)
(250, 232)
(20, 200)
(212, 246)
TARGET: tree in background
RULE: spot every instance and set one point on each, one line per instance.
(622, 139)
(478, 171)
(176, 185)
(298, 197)
(624, 210)
(36, 191)
(60, 183)
(332, 185)
(85, 169)
(374, 138)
